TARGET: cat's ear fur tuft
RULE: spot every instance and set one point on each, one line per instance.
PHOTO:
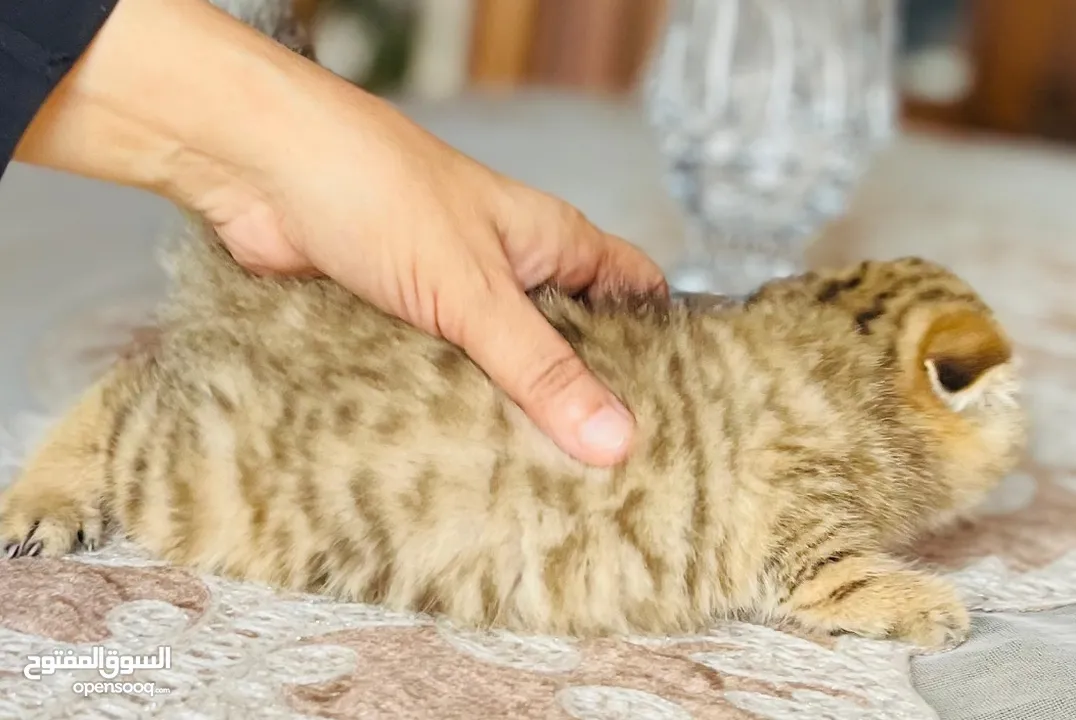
(968, 360)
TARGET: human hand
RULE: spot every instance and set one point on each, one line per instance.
(444, 243)
(302, 173)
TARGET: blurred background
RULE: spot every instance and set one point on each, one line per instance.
(1000, 66)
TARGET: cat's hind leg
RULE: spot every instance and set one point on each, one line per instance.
(55, 505)
(877, 596)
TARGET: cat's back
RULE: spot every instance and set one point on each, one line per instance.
(328, 375)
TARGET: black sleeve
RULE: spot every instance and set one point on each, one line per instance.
(40, 40)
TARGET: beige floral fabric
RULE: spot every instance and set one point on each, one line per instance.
(239, 650)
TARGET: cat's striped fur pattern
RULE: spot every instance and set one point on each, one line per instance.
(286, 432)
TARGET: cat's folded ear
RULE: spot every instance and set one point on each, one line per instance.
(966, 357)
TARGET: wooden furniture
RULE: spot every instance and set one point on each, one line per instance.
(1023, 62)
(593, 45)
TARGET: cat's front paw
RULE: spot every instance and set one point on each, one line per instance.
(46, 524)
(877, 597)
(933, 617)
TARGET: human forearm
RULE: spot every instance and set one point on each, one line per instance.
(39, 42)
(169, 94)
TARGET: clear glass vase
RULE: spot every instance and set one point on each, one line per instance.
(767, 113)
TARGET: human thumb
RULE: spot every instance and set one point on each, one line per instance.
(538, 369)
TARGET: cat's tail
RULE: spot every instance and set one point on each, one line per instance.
(206, 284)
(203, 276)
(206, 281)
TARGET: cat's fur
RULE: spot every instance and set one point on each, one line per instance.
(278, 19)
(287, 432)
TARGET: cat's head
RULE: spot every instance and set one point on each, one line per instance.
(954, 364)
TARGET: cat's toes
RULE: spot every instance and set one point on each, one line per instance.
(47, 535)
(878, 597)
(90, 534)
(44, 538)
(936, 624)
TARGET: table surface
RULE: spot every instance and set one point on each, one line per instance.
(77, 266)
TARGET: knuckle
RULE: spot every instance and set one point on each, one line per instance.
(570, 216)
(552, 378)
(461, 312)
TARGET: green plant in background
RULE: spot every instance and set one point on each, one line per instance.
(370, 42)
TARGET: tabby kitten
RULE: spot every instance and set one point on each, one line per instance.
(286, 432)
